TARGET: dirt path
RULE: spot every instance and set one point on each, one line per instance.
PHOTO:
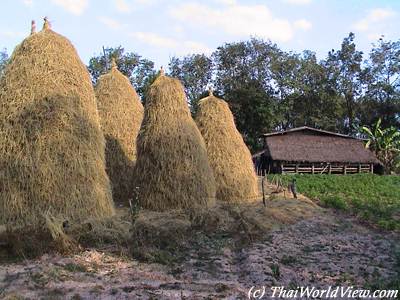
(327, 249)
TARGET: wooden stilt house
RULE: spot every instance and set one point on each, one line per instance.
(314, 151)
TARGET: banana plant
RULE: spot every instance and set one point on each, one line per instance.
(385, 142)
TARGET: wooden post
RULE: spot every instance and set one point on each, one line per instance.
(312, 168)
(281, 167)
(344, 169)
(329, 168)
(372, 168)
(359, 168)
(263, 190)
(297, 168)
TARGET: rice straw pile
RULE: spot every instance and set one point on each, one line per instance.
(121, 114)
(52, 148)
(228, 154)
(172, 169)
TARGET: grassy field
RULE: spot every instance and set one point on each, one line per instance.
(372, 198)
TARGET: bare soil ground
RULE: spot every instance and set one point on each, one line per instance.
(310, 246)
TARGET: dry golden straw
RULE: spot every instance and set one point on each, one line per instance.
(52, 148)
(172, 168)
(121, 114)
(228, 155)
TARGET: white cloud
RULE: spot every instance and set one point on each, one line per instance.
(226, 2)
(190, 47)
(238, 20)
(154, 39)
(110, 23)
(123, 6)
(28, 3)
(303, 24)
(127, 6)
(180, 47)
(12, 34)
(373, 18)
(146, 2)
(76, 7)
(380, 14)
(298, 2)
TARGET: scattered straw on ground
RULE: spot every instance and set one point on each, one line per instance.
(166, 236)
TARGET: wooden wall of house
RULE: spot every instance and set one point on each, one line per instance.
(325, 168)
(267, 166)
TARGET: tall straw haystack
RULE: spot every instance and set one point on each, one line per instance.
(52, 147)
(172, 168)
(121, 114)
(229, 156)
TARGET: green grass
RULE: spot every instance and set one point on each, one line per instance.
(373, 198)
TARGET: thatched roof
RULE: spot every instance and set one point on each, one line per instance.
(305, 144)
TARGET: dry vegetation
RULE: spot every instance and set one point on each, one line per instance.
(229, 156)
(172, 169)
(121, 114)
(52, 149)
(187, 235)
(213, 253)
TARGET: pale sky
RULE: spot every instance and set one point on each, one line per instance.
(160, 29)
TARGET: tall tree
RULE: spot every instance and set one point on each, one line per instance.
(381, 79)
(253, 110)
(344, 72)
(195, 71)
(139, 70)
(243, 78)
(314, 106)
(303, 92)
(239, 64)
(284, 69)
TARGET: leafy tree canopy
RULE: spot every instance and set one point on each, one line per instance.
(140, 71)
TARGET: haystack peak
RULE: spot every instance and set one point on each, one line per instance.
(33, 27)
(46, 24)
(114, 65)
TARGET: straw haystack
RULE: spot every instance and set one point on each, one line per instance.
(172, 168)
(228, 155)
(52, 148)
(121, 114)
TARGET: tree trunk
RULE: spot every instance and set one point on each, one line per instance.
(350, 109)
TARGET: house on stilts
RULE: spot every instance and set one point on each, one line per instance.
(314, 151)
